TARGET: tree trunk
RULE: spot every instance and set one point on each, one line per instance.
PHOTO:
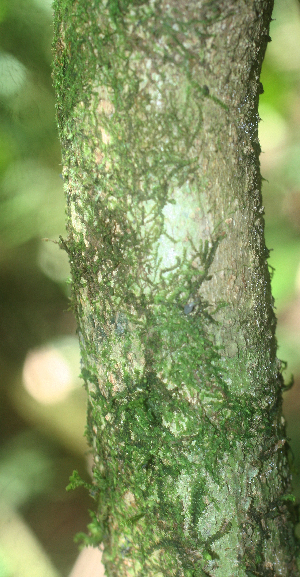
(157, 105)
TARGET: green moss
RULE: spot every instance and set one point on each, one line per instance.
(173, 422)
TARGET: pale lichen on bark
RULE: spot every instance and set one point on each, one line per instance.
(157, 110)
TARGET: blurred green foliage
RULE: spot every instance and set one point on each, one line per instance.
(279, 133)
(32, 203)
(39, 448)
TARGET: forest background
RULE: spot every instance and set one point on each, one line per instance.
(42, 401)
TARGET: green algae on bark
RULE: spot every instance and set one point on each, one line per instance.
(157, 111)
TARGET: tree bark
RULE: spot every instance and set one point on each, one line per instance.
(157, 106)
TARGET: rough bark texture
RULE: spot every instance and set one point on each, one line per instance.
(157, 108)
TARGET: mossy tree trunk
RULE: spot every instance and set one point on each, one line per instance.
(157, 105)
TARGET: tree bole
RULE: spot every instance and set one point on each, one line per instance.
(157, 106)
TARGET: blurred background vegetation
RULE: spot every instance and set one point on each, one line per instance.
(42, 401)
